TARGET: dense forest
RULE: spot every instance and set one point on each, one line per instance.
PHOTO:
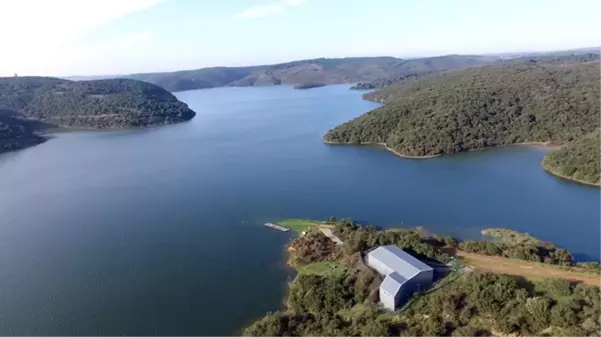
(579, 160)
(555, 58)
(17, 134)
(115, 103)
(549, 58)
(27, 102)
(336, 294)
(322, 70)
(510, 103)
(386, 81)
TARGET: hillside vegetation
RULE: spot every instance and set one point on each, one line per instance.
(539, 98)
(16, 134)
(116, 103)
(322, 70)
(481, 107)
(555, 58)
(336, 294)
(579, 160)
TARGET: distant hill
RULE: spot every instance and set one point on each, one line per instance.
(389, 86)
(326, 71)
(577, 51)
(481, 107)
(553, 58)
(91, 77)
(114, 103)
(386, 81)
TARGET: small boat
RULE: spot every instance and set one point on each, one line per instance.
(280, 228)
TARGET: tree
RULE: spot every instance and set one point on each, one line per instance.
(483, 107)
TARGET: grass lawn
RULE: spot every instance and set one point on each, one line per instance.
(299, 225)
(323, 268)
(348, 314)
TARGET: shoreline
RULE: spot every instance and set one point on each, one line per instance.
(570, 179)
(385, 147)
(546, 145)
(72, 129)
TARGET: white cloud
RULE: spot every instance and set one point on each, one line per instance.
(268, 9)
(32, 30)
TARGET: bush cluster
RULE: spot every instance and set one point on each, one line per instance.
(528, 252)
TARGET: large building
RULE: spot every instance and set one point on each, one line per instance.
(404, 274)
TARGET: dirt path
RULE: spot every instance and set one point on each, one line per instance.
(328, 232)
(526, 269)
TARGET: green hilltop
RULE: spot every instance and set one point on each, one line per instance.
(480, 107)
(98, 104)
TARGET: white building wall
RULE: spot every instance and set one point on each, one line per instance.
(387, 300)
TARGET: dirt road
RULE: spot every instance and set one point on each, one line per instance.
(530, 270)
(328, 232)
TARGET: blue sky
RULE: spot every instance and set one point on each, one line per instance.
(81, 37)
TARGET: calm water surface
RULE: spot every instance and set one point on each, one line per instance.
(159, 231)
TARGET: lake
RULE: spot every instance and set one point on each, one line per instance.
(160, 231)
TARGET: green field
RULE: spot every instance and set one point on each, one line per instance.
(299, 225)
(323, 268)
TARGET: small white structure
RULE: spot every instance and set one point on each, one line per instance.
(404, 274)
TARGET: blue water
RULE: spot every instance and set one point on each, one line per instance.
(159, 231)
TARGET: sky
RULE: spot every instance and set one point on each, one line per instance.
(96, 37)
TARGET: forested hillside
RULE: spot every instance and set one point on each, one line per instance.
(114, 103)
(579, 160)
(481, 107)
(26, 102)
(336, 294)
(549, 58)
(322, 70)
(16, 134)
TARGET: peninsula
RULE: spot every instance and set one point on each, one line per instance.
(529, 288)
(28, 104)
(309, 85)
(477, 108)
(579, 160)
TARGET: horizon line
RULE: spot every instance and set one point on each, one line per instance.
(406, 57)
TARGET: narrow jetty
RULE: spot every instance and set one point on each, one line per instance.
(280, 228)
